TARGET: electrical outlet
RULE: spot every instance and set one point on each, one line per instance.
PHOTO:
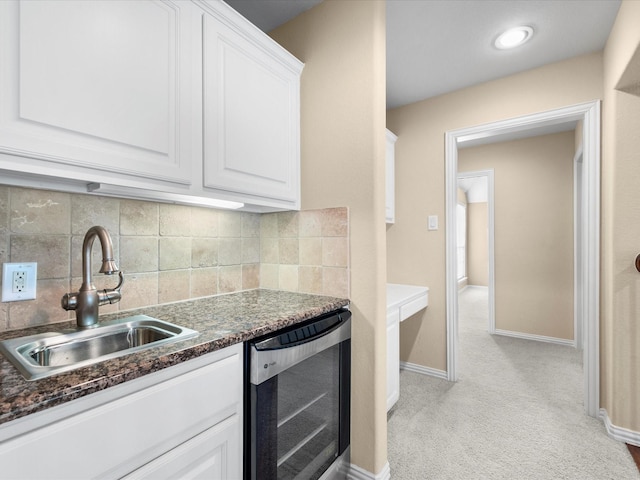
(19, 281)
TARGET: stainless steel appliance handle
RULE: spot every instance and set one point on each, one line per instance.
(269, 363)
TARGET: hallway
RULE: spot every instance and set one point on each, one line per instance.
(516, 412)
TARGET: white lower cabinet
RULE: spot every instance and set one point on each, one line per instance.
(393, 357)
(212, 455)
(181, 422)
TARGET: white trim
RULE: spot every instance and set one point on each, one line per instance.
(589, 113)
(578, 235)
(357, 473)
(619, 433)
(491, 219)
(536, 338)
(432, 372)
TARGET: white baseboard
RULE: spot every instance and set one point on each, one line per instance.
(357, 473)
(619, 433)
(432, 372)
(537, 338)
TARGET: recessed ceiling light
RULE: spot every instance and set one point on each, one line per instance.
(514, 37)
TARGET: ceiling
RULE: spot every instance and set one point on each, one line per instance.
(439, 46)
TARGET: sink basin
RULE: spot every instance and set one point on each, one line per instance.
(39, 356)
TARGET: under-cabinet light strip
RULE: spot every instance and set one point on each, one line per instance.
(164, 197)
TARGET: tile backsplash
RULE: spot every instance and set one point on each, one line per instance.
(167, 252)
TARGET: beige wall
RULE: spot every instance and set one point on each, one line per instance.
(417, 256)
(620, 282)
(167, 252)
(343, 149)
(533, 193)
(478, 244)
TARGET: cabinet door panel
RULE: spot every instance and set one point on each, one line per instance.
(96, 84)
(393, 358)
(212, 455)
(251, 117)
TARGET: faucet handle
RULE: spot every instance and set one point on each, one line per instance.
(69, 301)
(111, 295)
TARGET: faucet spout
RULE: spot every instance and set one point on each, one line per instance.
(86, 301)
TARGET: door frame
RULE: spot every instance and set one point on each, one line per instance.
(589, 284)
(489, 174)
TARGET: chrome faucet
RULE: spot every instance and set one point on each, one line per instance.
(88, 299)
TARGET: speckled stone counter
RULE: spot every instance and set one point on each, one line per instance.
(221, 321)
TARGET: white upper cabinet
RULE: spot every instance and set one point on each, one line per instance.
(251, 90)
(390, 178)
(174, 100)
(96, 90)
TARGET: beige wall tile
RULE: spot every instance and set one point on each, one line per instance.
(138, 218)
(230, 224)
(50, 251)
(204, 222)
(204, 281)
(288, 278)
(4, 210)
(175, 220)
(44, 309)
(335, 252)
(250, 225)
(141, 290)
(167, 252)
(4, 250)
(174, 285)
(251, 250)
(89, 210)
(310, 279)
(138, 254)
(269, 248)
(288, 251)
(335, 222)
(204, 252)
(287, 224)
(4, 316)
(175, 253)
(229, 279)
(335, 282)
(38, 211)
(229, 251)
(269, 275)
(250, 276)
(310, 251)
(269, 225)
(310, 223)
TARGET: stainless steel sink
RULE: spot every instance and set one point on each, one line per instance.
(39, 356)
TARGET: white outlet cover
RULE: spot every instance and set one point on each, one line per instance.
(29, 292)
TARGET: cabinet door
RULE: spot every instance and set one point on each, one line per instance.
(251, 115)
(97, 86)
(393, 358)
(215, 454)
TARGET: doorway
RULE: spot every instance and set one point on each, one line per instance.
(480, 183)
(587, 226)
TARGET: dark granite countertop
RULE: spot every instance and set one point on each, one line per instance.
(221, 321)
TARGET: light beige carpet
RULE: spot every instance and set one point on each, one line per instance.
(515, 413)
